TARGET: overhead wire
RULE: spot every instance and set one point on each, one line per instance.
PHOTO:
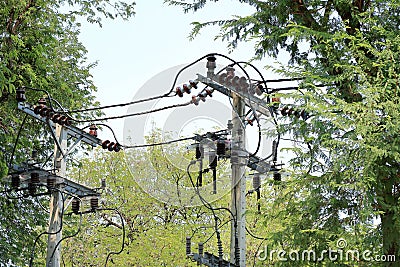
(70, 236)
(168, 94)
(132, 114)
(219, 226)
(123, 234)
(195, 137)
(16, 141)
(105, 125)
(118, 105)
(41, 90)
(158, 109)
(209, 206)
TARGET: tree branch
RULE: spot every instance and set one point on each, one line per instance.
(111, 222)
(301, 10)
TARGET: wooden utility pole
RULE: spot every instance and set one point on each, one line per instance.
(60, 183)
(56, 201)
(238, 193)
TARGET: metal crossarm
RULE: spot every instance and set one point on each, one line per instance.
(71, 130)
(250, 100)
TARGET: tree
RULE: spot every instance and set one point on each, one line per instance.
(346, 173)
(155, 231)
(40, 48)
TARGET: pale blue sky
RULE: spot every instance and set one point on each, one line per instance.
(129, 53)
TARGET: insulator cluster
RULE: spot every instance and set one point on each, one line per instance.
(94, 203)
(219, 245)
(42, 110)
(211, 65)
(201, 248)
(20, 95)
(75, 205)
(277, 177)
(35, 178)
(186, 88)
(202, 96)
(188, 245)
(229, 79)
(290, 111)
(221, 147)
(51, 182)
(111, 146)
(256, 181)
(15, 181)
(93, 130)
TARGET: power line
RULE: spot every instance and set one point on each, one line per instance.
(160, 143)
(118, 105)
(133, 114)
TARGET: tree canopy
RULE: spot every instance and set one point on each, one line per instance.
(40, 48)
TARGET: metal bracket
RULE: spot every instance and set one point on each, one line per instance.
(250, 100)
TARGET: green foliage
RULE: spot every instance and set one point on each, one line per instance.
(155, 231)
(39, 48)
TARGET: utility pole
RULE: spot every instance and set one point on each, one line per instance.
(56, 200)
(61, 132)
(238, 193)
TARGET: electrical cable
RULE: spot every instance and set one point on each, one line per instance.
(146, 99)
(107, 126)
(16, 140)
(123, 235)
(58, 104)
(70, 236)
(283, 80)
(219, 226)
(42, 90)
(205, 202)
(256, 253)
(254, 236)
(48, 233)
(290, 88)
(55, 139)
(47, 159)
(196, 137)
(133, 114)
(206, 227)
(208, 205)
(259, 138)
(159, 144)
(119, 105)
(41, 206)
